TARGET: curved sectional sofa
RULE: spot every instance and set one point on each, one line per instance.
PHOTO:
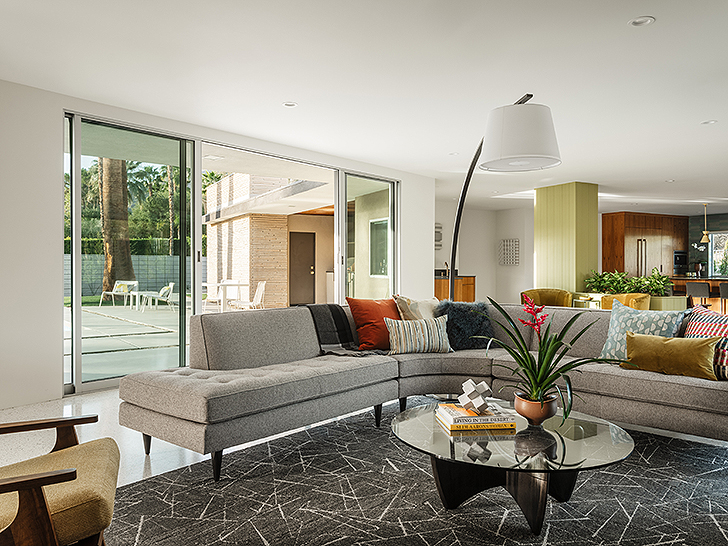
(257, 373)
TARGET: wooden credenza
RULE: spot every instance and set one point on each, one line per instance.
(464, 288)
(638, 242)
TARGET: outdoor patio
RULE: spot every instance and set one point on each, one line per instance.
(118, 340)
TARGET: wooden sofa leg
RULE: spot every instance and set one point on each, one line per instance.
(147, 443)
(403, 403)
(378, 415)
(216, 464)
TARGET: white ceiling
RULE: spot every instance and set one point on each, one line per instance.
(408, 83)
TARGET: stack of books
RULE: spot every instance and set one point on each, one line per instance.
(454, 418)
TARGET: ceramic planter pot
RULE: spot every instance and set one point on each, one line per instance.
(534, 412)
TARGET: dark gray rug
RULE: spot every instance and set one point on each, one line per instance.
(351, 483)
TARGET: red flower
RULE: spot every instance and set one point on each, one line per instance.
(534, 311)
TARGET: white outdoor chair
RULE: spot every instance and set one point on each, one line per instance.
(121, 288)
(165, 295)
(257, 302)
(232, 294)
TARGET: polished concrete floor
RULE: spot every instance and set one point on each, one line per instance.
(135, 465)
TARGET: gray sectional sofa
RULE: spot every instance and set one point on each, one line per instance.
(257, 373)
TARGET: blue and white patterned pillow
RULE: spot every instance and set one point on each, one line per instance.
(625, 319)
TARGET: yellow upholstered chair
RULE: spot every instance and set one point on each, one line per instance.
(549, 296)
(63, 497)
(635, 301)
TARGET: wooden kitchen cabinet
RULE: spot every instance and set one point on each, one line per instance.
(464, 288)
(638, 242)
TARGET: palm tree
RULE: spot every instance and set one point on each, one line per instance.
(115, 222)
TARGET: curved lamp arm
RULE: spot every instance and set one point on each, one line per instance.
(458, 216)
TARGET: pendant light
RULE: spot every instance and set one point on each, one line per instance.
(705, 238)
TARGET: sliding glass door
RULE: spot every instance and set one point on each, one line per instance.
(127, 244)
(369, 237)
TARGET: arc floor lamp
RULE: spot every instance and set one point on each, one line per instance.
(518, 137)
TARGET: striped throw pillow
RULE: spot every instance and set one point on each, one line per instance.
(706, 323)
(418, 336)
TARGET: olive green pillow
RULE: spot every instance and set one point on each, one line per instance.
(672, 355)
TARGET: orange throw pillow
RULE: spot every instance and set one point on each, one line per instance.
(369, 319)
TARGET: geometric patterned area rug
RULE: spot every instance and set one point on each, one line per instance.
(349, 483)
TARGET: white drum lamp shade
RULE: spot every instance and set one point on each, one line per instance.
(520, 137)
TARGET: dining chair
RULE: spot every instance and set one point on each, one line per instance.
(257, 301)
(723, 295)
(698, 290)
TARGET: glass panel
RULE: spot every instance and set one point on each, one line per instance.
(130, 251)
(718, 254)
(251, 205)
(379, 248)
(368, 237)
(67, 311)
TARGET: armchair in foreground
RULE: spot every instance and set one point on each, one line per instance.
(63, 497)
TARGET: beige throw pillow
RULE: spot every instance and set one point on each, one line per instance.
(416, 309)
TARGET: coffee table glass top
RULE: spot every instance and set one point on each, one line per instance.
(582, 442)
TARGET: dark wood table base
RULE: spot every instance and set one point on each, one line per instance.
(457, 482)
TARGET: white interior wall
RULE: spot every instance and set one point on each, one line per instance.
(512, 280)
(477, 253)
(31, 227)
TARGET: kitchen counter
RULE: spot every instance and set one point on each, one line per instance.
(679, 288)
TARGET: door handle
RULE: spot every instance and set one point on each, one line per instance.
(639, 256)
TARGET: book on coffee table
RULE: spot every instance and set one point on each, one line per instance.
(455, 417)
(479, 435)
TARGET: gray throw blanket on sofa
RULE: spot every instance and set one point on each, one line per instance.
(334, 331)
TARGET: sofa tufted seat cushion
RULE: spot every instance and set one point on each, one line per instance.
(655, 388)
(211, 396)
(465, 362)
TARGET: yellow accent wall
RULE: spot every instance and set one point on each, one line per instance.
(566, 226)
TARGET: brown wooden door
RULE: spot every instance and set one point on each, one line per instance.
(301, 268)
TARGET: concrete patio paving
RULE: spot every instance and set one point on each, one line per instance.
(118, 340)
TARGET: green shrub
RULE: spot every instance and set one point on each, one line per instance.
(619, 282)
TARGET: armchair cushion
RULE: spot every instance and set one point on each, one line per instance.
(79, 508)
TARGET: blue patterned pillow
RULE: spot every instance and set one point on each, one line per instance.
(625, 319)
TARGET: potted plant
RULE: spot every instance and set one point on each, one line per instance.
(537, 392)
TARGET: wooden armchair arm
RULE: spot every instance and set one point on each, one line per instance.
(32, 523)
(33, 481)
(65, 431)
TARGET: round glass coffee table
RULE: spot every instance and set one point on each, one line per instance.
(530, 462)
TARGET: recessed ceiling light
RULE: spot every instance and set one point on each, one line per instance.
(454, 153)
(709, 122)
(670, 181)
(495, 191)
(290, 104)
(212, 157)
(642, 21)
